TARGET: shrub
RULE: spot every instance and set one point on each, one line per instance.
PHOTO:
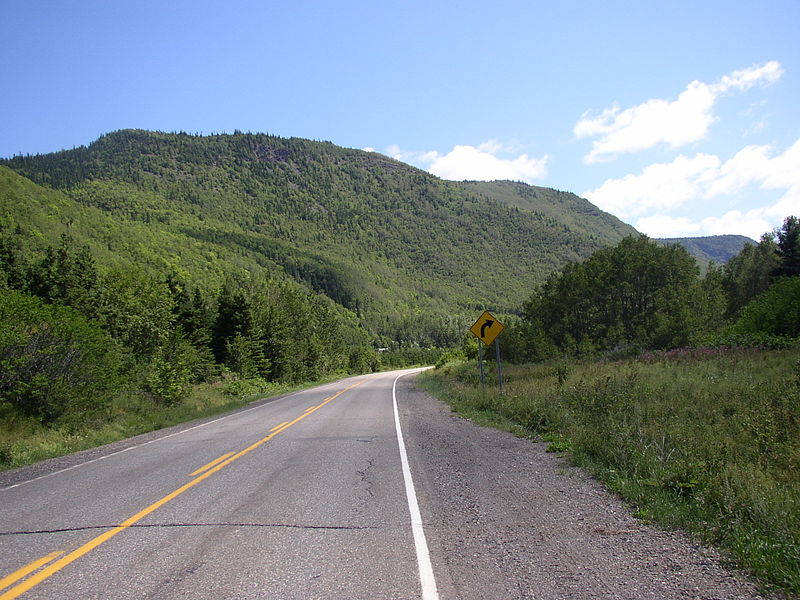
(53, 361)
(775, 311)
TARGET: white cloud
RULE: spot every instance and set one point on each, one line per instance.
(661, 226)
(659, 187)
(665, 187)
(479, 163)
(368, 149)
(744, 79)
(752, 224)
(420, 159)
(676, 122)
(468, 162)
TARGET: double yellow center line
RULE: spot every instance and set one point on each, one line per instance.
(200, 474)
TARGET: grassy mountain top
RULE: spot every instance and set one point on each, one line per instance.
(412, 255)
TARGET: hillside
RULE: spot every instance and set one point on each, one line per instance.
(412, 255)
(716, 248)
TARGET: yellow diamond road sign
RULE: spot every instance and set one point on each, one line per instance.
(487, 328)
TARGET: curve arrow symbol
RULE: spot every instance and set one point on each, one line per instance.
(488, 323)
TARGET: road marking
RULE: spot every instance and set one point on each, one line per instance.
(278, 426)
(28, 569)
(211, 464)
(181, 432)
(426, 577)
(310, 408)
(53, 568)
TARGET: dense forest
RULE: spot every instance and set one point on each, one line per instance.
(404, 250)
(714, 249)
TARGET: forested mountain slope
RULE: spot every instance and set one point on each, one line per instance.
(412, 255)
(717, 248)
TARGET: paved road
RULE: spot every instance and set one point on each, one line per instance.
(306, 496)
(316, 508)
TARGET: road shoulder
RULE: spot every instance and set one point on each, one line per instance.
(506, 519)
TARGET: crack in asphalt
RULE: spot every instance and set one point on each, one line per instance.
(168, 525)
(364, 474)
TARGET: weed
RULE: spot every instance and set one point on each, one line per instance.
(703, 439)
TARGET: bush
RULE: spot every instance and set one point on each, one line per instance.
(775, 311)
(450, 356)
(169, 373)
(240, 388)
(53, 361)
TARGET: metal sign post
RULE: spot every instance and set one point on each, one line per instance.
(480, 362)
(499, 364)
(487, 328)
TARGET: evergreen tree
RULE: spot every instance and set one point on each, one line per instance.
(12, 264)
(788, 249)
(749, 273)
(67, 277)
(233, 318)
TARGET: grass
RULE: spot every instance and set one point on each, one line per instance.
(706, 441)
(24, 441)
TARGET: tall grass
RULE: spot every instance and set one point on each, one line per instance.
(708, 441)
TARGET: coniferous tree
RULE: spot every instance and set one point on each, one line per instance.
(748, 273)
(788, 249)
(233, 318)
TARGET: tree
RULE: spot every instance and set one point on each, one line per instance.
(137, 310)
(775, 312)
(233, 318)
(12, 265)
(54, 362)
(788, 249)
(67, 277)
(749, 273)
(637, 293)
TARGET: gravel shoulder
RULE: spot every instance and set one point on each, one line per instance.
(506, 519)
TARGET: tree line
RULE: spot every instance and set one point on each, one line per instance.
(72, 335)
(640, 295)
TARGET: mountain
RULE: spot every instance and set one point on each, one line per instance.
(716, 248)
(413, 256)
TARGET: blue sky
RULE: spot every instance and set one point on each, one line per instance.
(681, 118)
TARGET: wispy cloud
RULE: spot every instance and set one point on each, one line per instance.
(674, 122)
(478, 163)
(665, 187)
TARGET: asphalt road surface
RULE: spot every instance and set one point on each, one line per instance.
(310, 495)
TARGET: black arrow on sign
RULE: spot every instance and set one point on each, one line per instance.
(488, 324)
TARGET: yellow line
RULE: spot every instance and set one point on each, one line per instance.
(27, 569)
(278, 426)
(211, 464)
(310, 408)
(26, 585)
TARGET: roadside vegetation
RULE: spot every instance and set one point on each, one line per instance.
(679, 393)
(90, 356)
(705, 440)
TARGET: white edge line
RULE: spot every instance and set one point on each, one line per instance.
(99, 458)
(426, 577)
